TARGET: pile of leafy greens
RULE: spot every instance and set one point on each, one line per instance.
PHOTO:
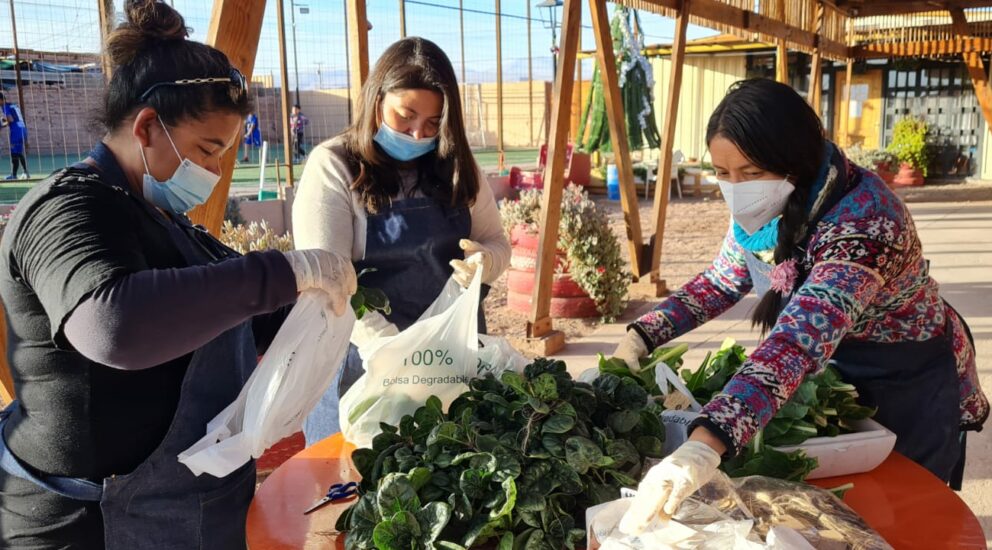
(822, 406)
(515, 462)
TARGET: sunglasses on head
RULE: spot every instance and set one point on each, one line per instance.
(238, 86)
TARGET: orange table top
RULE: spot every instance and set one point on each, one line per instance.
(901, 500)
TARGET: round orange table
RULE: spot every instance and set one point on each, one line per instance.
(905, 503)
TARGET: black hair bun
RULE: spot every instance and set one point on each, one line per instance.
(148, 22)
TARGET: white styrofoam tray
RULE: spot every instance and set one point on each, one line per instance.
(853, 453)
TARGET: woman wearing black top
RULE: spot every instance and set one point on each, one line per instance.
(129, 328)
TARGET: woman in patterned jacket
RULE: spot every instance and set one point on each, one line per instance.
(836, 261)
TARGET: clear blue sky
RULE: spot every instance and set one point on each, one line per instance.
(73, 25)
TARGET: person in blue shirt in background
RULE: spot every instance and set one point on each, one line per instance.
(12, 119)
(253, 135)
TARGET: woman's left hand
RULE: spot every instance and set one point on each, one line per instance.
(476, 257)
(670, 482)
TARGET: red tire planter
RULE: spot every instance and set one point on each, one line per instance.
(561, 308)
(908, 177)
(568, 299)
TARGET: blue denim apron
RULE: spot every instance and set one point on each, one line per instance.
(161, 504)
(914, 385)
(409, 244)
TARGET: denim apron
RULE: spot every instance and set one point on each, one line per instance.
(914, 385)
(409, 244)
(161, 504)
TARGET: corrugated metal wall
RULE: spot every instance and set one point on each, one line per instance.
(705, 80)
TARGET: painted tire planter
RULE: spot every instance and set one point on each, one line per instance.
(908, 176)
(568, 299)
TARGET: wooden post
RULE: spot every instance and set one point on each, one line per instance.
(782, 52)
(106, 26)
(618, 132)
(544, 340)
(402, 18)
(17, 68)
(530, 80)
(461, 34)
(664, 186)
(845, 114)
(499, 85)
(358, 38)
(7, 393)
(816, 63)
(235, 27)
(976, 66)
(287, 133)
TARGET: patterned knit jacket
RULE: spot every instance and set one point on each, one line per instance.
(868, 281)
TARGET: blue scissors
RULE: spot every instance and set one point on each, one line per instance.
(338, 491)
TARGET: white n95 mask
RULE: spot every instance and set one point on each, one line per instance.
(755, 203)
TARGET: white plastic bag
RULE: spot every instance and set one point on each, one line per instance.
(497, 356)
(437, 356)
(297, 368)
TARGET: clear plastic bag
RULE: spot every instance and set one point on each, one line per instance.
(748, 513)
(297, 368)
(437, 356)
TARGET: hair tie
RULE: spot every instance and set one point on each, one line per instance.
(783, 277)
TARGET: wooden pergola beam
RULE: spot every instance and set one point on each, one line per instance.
(235, 27)
(663, 188)
(358, 52)
(106, 9)
(816, 63)
(976, 67)
(618, 132)
(749, 21)
(924, 48)
(871, 8)
(543, 339)
(287, 138)
(781, 50)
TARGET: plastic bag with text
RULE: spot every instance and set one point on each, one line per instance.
(297, 368)
(437, 355)
(748, 513)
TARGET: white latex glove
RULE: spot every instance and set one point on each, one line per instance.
(325, 271)
(476, 257)
(631, 349)
(668, 483)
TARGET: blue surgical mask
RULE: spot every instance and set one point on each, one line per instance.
(189, 186)
(401, 146)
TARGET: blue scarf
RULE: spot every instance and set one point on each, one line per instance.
(767, 237)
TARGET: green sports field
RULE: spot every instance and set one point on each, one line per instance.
(245, 176)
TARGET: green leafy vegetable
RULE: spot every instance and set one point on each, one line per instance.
(514, 463)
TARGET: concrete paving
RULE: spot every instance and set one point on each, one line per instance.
(957, 238)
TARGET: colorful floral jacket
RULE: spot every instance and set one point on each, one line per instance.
(868, 281)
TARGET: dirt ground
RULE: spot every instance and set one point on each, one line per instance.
(693, 231)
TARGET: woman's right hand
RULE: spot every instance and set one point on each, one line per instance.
(325, 271)
(631, 349)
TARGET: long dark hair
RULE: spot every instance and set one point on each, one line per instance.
(150, 47)
(412, 64)
(777, 131)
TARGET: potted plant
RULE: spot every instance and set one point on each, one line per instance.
(879, 161)
(909, 145)
(590, 274)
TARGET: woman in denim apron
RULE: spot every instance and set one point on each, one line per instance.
(836, 261)
(129, 328)
(399, 193)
